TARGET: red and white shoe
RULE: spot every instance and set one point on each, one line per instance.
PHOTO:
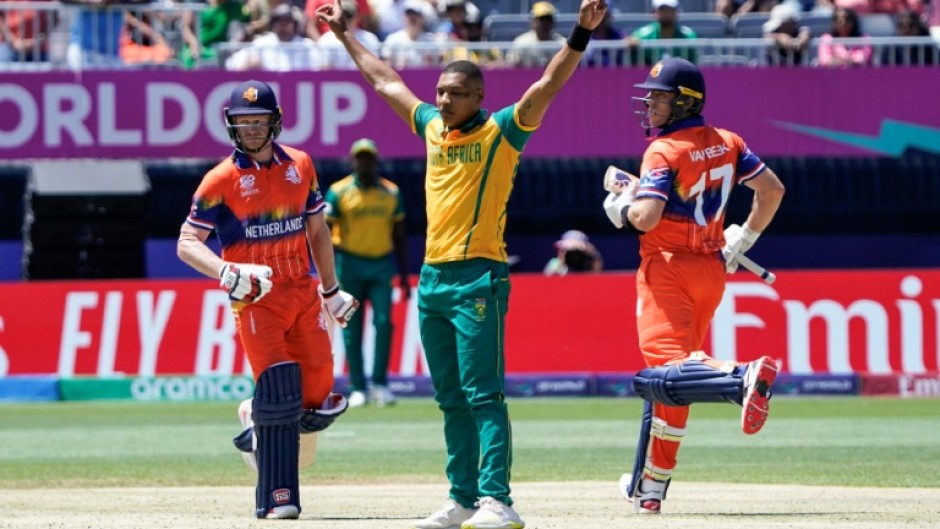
(648, 499)
(760, 376)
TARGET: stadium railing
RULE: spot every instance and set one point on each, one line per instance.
(732, 45)
(48, 27)
(726, 52)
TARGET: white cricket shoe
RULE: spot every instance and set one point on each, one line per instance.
(244, 416)
(357, 399)
(649, 495)
(493, 514)
(382, 396)
(283, 512)
(451, 515)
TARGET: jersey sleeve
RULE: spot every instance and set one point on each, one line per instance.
(513, 130)
(656, 175)
(332, 202)
(749, 165)
(208, 201)
(315, 202)
(422, 114)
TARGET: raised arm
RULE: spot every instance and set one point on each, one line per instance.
(535, 102)
(380, 75)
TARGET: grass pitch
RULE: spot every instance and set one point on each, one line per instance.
(808, 441)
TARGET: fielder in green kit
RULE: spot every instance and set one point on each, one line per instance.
(463, 291)
(366, 216)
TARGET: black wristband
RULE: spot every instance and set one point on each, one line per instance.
(579, 38)
(330, 292)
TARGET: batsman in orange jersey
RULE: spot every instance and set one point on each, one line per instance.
(677, 206)
(265, 206)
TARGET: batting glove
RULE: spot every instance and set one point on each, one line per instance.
(738, 240)
(338, 305)
(617, 203)
(245, 282)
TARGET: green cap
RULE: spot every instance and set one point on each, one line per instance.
(364, 145)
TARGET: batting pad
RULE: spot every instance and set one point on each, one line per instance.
(642, 445)
(276, 410)
(687, 383)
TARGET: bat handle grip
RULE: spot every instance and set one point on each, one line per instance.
(758, 270)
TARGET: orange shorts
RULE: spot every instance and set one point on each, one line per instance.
(677, 294)
(286, 326)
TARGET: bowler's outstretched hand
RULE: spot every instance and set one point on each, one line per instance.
(591, 13)
(332, 14)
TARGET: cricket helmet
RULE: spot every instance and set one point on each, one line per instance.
(682, 78)
(252, 98)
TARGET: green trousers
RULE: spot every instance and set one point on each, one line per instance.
(367, 279)
(461, 312)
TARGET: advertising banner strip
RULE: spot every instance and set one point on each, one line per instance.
(614, 385)
(158, 388)
(573, 385)
(832, 385)
(29, 388)
(90, 388)
(840, 323)
(814, 112)
(901, 385)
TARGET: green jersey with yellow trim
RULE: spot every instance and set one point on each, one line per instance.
(363, 217)
(470, 173)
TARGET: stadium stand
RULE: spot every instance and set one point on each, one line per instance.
(818, 23)
(493, 7)
(630, 22)
(505, 27)
(877, 25)
(706, 25)
(748, 25)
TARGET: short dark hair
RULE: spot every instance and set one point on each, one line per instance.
(469, 69)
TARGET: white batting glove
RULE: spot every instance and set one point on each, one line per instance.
(245, 282)
(338, 305)
(616, 203)
(738, 240)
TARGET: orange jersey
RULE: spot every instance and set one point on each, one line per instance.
(259, 213)
(692, 167)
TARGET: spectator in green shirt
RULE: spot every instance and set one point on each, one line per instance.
(666, 26)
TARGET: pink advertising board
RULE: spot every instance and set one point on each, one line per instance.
(159, 114)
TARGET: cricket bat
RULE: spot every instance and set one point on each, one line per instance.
(616, 179)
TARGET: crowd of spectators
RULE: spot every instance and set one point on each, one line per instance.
(283, 35)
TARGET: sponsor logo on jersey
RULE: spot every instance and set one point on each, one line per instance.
(248, 185)
(291, 175)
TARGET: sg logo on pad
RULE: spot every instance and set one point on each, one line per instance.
(281, 495)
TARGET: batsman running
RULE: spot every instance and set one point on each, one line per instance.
(265, 206)
(677, 206)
